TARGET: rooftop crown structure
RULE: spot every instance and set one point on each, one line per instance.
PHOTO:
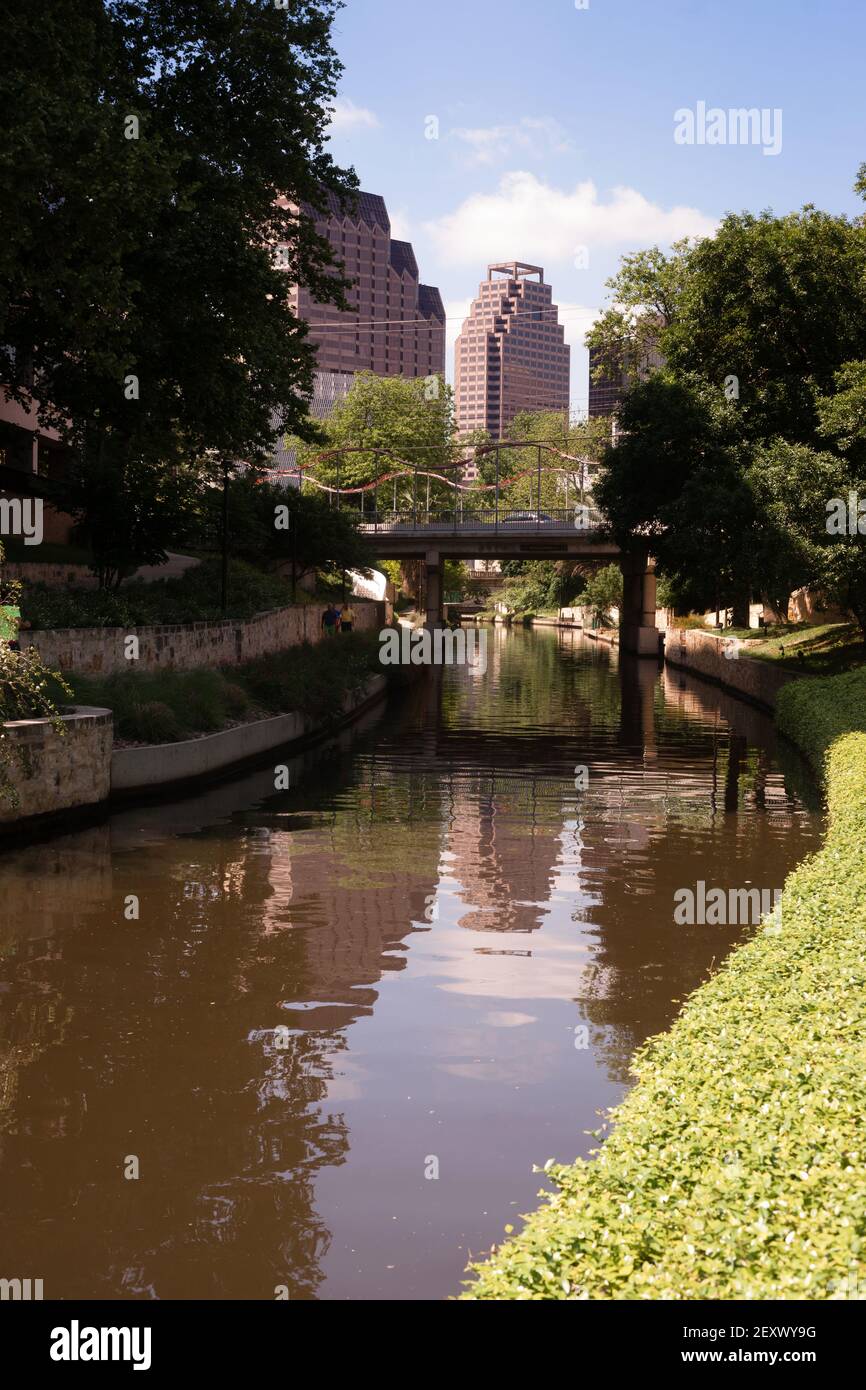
(511, 353)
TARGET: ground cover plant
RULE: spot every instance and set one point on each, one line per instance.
(736, 1167)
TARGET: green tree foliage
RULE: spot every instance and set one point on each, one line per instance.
(763, 332)
(603, 593)
(28, 690)
(140, 297)
(582, 440)
(779, 303)
(273, 526)
(645, 298)
(130, 508)
(541, 586)
(411, 417)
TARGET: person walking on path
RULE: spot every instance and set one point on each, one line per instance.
(347, 618)
(330, 621)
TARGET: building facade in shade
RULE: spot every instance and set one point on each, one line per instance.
(396, 326)
(511, 353)
(606, 393)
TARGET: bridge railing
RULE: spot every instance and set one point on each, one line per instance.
(510, 520)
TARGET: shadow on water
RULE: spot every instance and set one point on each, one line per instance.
(343, 1021)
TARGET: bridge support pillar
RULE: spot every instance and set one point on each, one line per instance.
(638, 632)
(433, 567)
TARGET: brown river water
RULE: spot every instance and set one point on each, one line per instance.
(352, 1016)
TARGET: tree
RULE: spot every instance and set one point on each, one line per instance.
(645, 298)
(778, 304)
(800, 490)
(410, 418)
(130, 508)
(577, 445)
(146, 188)
(276, 527)
(762, 328)
(603, 592)
(674, 484)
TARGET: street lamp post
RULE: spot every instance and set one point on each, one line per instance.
(225, 539)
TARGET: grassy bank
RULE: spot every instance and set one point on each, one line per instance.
(164, 706)
(736, 1167)
(823, 649)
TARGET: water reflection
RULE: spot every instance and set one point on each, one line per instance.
(428, 916)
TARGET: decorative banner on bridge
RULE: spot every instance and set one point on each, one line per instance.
(407, 469)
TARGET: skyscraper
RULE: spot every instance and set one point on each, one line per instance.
(397, 325)
(608, 384)
(511, 354)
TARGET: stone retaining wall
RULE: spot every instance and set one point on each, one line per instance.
(59, 771)
(100, 651)
(701, 652)
(54, 576)
(162, 765)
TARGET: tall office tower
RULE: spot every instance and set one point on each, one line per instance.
(511, 354)
(605, 390)
(397, 325)
(606, 393)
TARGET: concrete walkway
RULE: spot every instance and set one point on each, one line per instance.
(174, 567)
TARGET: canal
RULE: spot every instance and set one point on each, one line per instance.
(332, 1028)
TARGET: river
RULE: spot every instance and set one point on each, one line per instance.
(331, 1029)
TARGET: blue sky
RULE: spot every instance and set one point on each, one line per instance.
(556, 128)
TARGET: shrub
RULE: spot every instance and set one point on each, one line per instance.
(813, 713)
(152, 721)
(237, 701)
(28, 690)
(163, 706)
(192, 597)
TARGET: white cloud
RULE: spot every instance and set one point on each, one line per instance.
(400, 226)
(491, 144)
(532, 220)
(347, 117)
(576, 319)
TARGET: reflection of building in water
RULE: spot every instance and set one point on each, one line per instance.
(375, 877)
(504, 841)
(167, 1025)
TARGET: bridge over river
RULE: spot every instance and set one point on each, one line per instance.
(501, 533)
(478, 520)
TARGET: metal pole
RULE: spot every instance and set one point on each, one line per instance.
(415, 497)
(538, 489)
(496, 493)
(225, 537)
(293, 521)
